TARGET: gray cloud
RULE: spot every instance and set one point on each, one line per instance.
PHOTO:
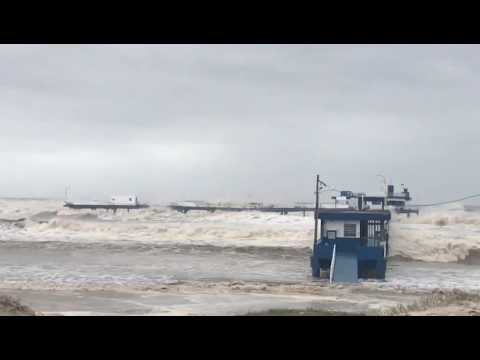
(237, 121)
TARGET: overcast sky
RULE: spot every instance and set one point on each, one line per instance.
(238, 122)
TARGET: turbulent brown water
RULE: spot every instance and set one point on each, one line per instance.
(60, 248)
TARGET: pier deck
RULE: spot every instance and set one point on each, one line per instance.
(281, 210)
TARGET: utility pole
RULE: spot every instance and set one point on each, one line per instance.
(316, 213)
(316, 268)
(317, 191)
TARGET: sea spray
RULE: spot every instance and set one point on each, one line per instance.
(440, 234)
(444, 234)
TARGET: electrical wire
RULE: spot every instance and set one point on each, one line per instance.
(446, 202)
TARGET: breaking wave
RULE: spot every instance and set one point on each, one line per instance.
(446, 234)
(44, 216)
(49, 221)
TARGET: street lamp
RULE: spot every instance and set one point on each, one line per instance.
(385, 190)
(384, 183)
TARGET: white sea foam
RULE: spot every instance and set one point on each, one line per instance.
(447, 234)
(48, 220)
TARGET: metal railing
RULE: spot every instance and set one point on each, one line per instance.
(332, 264)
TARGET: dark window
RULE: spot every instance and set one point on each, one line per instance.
(350, 230)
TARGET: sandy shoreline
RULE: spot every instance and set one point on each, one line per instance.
(241, 298)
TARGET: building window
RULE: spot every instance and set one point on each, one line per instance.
(350, 230)
(331, 234)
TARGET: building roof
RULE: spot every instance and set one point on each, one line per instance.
(351, 214)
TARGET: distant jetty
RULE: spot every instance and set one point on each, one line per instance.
(282, 210)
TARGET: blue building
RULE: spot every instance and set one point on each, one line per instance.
(352, 239)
